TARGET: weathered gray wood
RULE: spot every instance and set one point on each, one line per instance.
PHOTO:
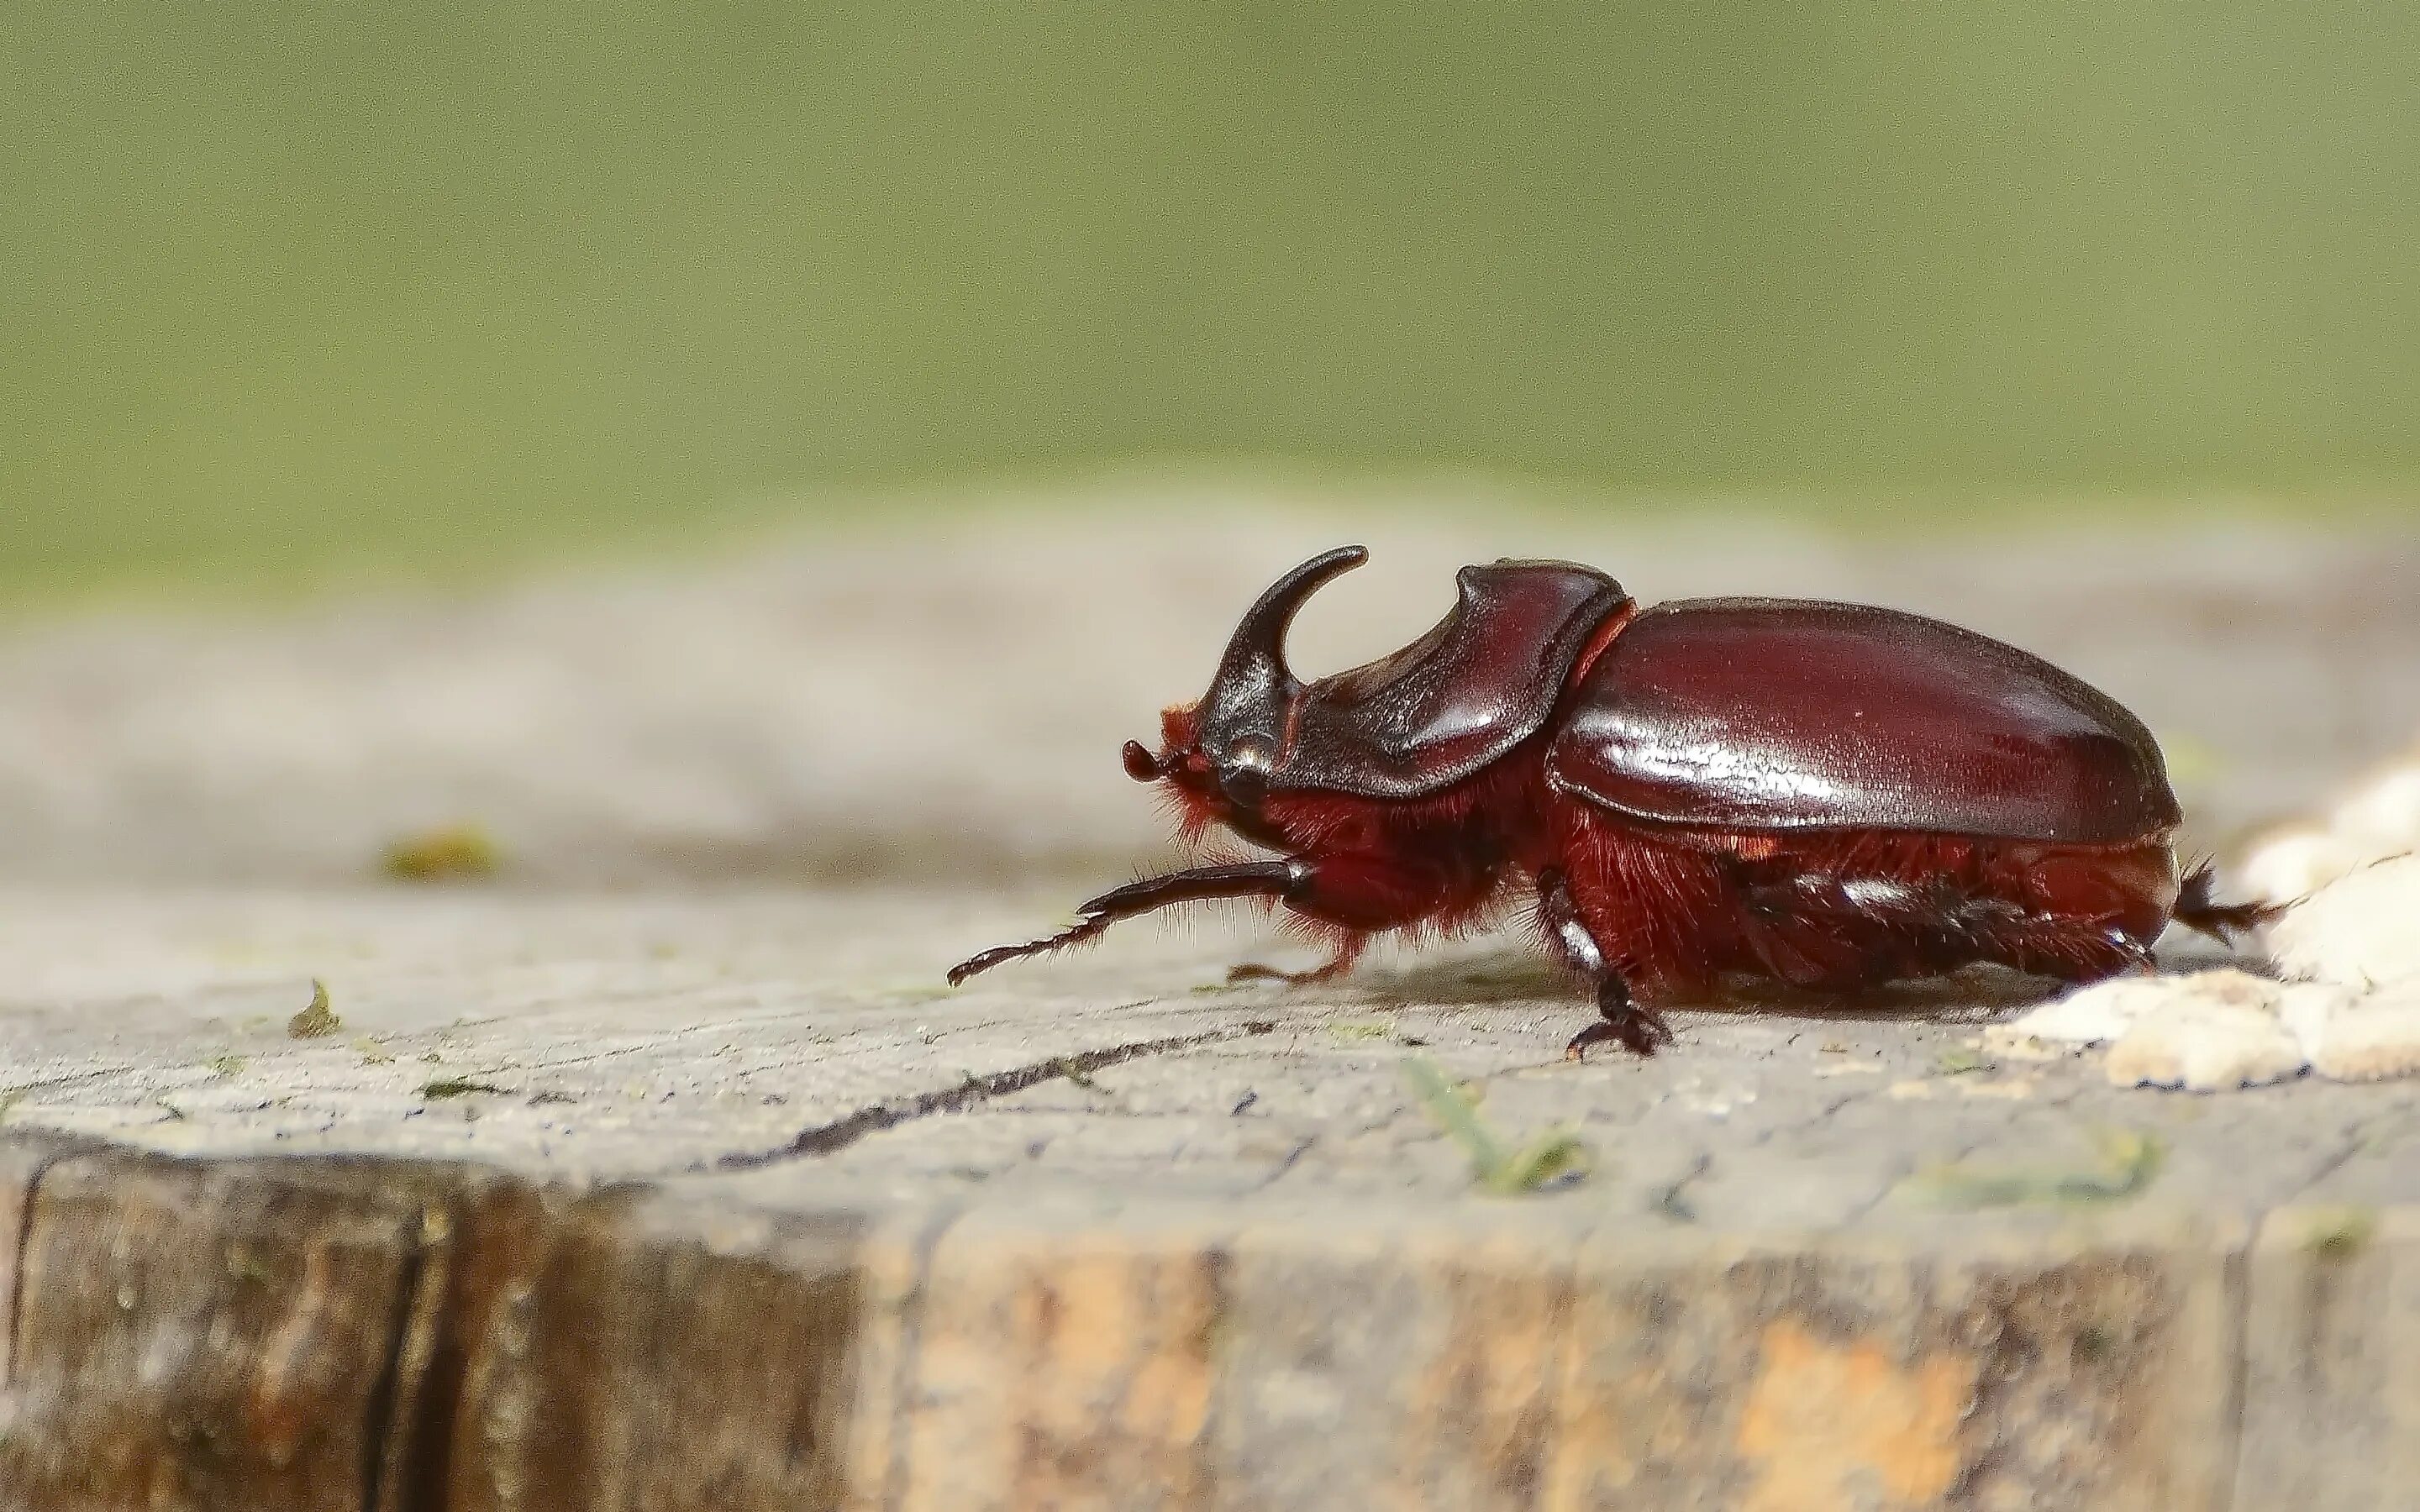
(746, 1222)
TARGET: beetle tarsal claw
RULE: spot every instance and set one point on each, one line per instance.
(1639, 1030)
(1083, 929)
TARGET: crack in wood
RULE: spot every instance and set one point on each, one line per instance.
(1301, 1148)
(384, 1429)
(398, 1402)
(2349, 1145)
(12, 1347)
(1673, 1202)
(896, 1467)
(841, 1132)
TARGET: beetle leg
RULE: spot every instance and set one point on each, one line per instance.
(1346, 954)
(1637, 1028)
(1252, 879)
(1848, 932)
(1632, 1025)
(2077, 949)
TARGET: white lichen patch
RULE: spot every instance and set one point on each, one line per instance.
(2370, 1039)
(2214, 1031)
(2103, 1013)
(2294, 864)
(2348, 1006)
(2362, 930)
(2204, 1049)
(2379, 820)
(2209, 1032)
(2382, 817)
(2305, 1007)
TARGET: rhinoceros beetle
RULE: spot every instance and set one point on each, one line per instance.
(1831, 795)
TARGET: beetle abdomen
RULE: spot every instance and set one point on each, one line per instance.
(1847, 910)
(1747, 713)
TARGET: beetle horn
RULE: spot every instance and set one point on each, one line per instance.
(1253, 684)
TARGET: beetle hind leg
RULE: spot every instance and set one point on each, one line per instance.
(2049, 945)
(1828, 932)
(1336, 967)
(1625, 1020)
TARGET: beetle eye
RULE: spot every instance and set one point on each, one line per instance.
(1140, 762)
(1245, 786)
(1243, 777)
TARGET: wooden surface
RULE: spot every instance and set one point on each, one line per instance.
(572, 1219)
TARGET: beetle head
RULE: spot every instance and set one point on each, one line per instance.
(1235, 732)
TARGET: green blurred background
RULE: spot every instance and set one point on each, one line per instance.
(291, 290)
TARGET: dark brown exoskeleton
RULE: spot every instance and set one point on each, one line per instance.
(1827, 794)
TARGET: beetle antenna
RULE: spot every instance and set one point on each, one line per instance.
(1273, 879)
(1140, 762)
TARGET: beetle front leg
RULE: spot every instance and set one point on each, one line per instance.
(1356, 894)
(1625, 1020)
(1283, 880)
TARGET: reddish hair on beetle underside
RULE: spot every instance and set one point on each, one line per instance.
(1437, 866)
